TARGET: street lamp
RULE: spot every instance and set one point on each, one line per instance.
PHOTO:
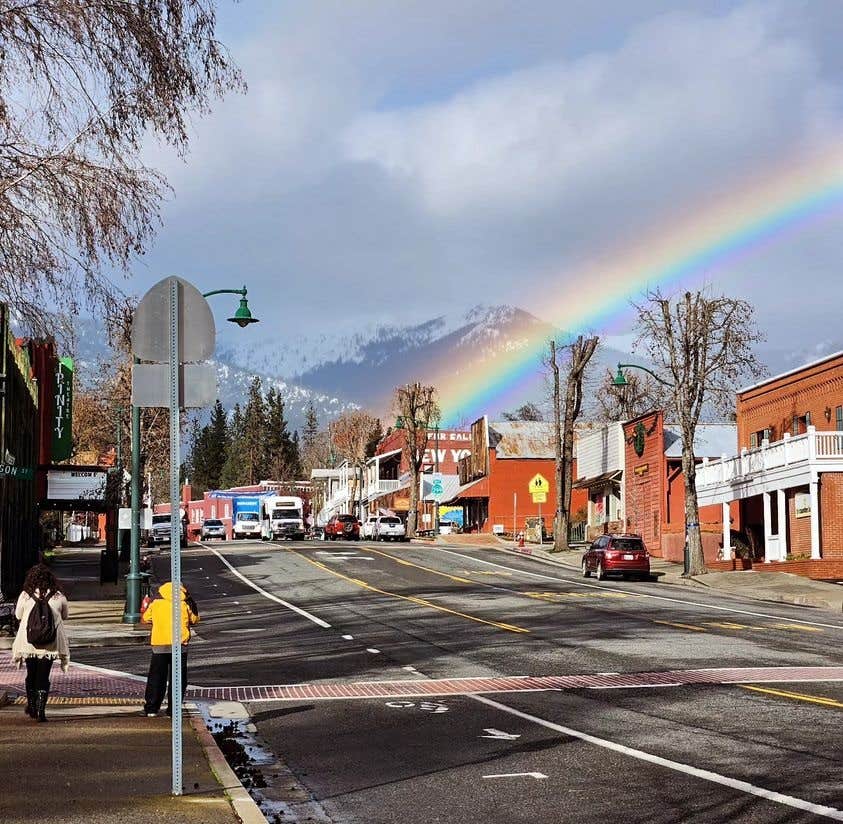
(620, 380)
(131, 614)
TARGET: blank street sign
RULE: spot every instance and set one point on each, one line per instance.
(151, 385)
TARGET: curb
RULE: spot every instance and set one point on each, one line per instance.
(243, 804)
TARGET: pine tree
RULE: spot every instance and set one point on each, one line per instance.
(276, 436)
(310, 433)
(254, 434)
(234, 468)
(216, 447)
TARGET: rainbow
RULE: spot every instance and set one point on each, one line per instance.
(712, 237)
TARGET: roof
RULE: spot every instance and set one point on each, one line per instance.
(710, 441)
(379, 456)
(474, 489)
(599, 480)
(790, 372)
(450, 486)
(522, 439)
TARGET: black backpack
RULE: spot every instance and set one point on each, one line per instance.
(41, 624)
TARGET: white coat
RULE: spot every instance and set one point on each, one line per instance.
(60, 649)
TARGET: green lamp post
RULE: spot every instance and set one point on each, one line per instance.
(131, 614)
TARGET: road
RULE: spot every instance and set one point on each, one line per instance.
(625, 741)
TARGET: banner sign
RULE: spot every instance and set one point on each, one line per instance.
(62, 410)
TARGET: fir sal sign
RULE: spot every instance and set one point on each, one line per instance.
(62, 410)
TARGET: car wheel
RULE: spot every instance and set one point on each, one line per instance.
(585, 572)
(600, 574)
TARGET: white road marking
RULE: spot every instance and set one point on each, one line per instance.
(104, 671)
(637, 594)
(348, 637)
(535, 775)
(491, 732)
(373, 650)
(677, 766)
(304, 613)
(400, 705)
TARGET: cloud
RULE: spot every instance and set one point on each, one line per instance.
(392, 161)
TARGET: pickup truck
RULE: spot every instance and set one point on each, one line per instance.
(161, 530)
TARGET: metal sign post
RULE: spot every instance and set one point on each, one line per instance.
(174, 329)
(175, 533)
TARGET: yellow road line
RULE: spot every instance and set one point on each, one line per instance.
(797, 627)
(796, 696)
(728, 625)
(419, 601)
(404, 562)
(681, 626)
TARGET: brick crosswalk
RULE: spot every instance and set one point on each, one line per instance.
(89, 685)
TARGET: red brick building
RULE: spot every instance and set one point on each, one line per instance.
(788, 472)
(655, 485)
(495, 477)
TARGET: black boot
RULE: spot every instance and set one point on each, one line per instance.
(30, 703)
(41, 704)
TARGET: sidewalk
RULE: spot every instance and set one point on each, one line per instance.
(97, 761)
(781, 587)
(103, 765)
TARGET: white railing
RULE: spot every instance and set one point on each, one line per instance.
(812, 447)
(382, 487)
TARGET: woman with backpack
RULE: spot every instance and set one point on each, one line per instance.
(41, 639)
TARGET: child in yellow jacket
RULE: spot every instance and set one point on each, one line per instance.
(160, 614)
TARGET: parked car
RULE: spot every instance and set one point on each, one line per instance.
(369, 527)
(161, 531)
(616, 554)
(246, 525)
(213, 528)
(342, 527)
(390, 528)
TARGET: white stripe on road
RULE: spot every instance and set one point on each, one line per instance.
(303, 612)
(576, 583)
(678, 766)
(104, 671)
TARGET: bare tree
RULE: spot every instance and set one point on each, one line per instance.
(417, 406)
(82, 84)
(579, 353)
(350, 433)
(525, 412)
(704, 346)
(620, 403)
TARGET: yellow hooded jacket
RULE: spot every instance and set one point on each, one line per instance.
(160, 615)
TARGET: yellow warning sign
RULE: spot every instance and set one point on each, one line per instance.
(538, 484)
(539, 497)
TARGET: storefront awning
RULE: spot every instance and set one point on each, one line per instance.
(599, 480)
(474, 489)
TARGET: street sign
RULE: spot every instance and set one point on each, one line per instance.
(22, 473)
(151, 385)
(538, 484)
(151, 324)
(539, 497)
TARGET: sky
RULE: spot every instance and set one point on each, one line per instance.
(393, 160)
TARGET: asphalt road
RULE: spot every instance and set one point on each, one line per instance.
(335, 613)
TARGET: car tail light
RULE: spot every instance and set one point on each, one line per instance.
(610, 553)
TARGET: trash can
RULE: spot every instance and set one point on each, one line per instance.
(108, 567)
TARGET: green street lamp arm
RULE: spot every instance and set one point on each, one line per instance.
(620, 379)
(242, 292)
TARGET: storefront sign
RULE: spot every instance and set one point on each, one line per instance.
(641, 469)
(802, 505)
(62, 410)
(77, 485)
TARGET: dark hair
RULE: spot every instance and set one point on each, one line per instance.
(41, 577)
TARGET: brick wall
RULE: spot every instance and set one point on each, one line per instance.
(813, 389)
(799, 529)
(644, 479)
(823, 570)
(831, 515)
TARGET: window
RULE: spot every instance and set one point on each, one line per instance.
(800, 424)
(838, 415)
(757, 438)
